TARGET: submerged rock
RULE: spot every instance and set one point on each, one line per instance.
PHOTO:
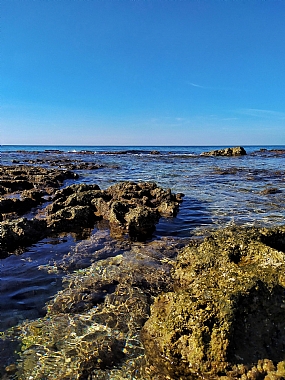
(91, 330)
(236, 151)
(226, 315)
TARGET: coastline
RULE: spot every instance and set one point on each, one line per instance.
(135, 273)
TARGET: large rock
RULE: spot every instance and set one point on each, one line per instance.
(131, 208)
(236, 151)
(226, 317)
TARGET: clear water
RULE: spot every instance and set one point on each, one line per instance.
(219, 191)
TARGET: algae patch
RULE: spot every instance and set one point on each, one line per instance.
(226, 315)
(92, 327)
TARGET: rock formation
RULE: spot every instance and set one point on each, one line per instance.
(236, 151)
(131, 208)
(226, 317)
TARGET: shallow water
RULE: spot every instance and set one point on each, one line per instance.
(219, 191)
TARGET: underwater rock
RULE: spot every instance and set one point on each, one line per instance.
(92, 327)
(131, 208)
(226, 315)
(20, 233)
(236, 151)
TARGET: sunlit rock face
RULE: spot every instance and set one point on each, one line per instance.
(226, 315)
(235, 151)
(131, 209)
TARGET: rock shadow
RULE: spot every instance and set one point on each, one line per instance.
(259, 326)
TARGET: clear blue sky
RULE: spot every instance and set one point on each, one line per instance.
(143, 72)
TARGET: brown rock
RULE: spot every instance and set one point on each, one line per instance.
(236, 151)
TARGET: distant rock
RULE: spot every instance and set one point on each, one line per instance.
(236, 151)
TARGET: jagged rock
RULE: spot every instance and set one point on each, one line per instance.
(71, 218)
(131, 208)
(20, 233)
(24, 187)
(26, 177)
(226, 317)
(236, 151)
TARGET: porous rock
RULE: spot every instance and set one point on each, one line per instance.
(25, 177)
(226, 315)
(131, 208)
(20, 233)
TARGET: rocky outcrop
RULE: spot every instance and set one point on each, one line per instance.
(20, 233)
(24, 177)
(226, 317)
(131, 208)
(24, 187)
(236, 151)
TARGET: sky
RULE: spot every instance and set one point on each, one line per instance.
(142, 72)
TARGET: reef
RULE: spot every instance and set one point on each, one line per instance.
(226, 316)
(235, 151)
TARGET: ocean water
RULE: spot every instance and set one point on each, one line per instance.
(219, 192)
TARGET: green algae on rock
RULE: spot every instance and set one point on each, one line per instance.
(92, 327)
(226, 315)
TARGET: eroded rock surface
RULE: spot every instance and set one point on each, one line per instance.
(92, 327)
(24, 187)
(131, 208)
(25, 177)
(226, 317)
(20, 233)
(235, 151)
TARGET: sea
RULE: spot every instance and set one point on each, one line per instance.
(219, 192)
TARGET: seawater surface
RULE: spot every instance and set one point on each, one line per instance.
(219, 191)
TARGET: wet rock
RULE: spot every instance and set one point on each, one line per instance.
(236, 151)
(226, 317)
(19, 206)
(20, 233)
(24, 187)
(24, 177)
(71, 218)
(92, 326)
(131, 208)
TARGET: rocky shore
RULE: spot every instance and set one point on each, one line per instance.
(143, 309)
(131, 209)
(212, 310)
